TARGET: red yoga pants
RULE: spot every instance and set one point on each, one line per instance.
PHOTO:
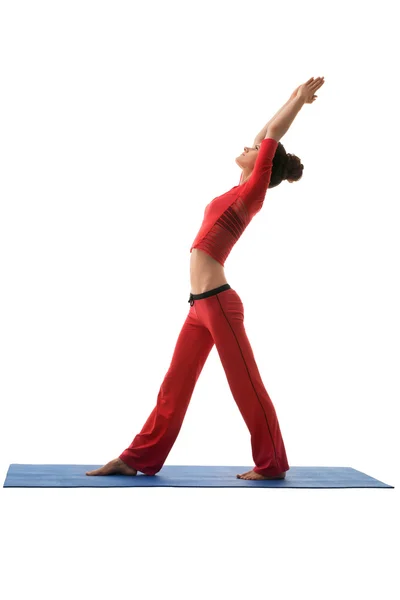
(215, 317)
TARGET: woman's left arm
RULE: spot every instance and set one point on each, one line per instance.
(308, 90)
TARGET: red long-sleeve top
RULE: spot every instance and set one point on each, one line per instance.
(227, 216)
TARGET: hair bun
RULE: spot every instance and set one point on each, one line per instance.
(285, 166)
(293, 168)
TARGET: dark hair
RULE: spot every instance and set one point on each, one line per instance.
(285, 166)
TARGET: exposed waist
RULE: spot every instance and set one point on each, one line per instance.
(205, 272)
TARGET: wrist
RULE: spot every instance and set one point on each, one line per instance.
(301, 100)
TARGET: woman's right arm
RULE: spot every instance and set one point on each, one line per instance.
(281, 123)
(304, 94)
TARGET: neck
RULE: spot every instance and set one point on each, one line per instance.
(246, 174)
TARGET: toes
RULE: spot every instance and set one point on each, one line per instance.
(244, 475)
(107, 469)
(248, 475)
(102, 471)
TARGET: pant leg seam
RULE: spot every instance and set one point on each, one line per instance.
(248, 372)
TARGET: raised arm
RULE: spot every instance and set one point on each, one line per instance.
(260, 136)
(285, 116)
(280, 124)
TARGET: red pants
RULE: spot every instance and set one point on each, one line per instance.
(215, 317)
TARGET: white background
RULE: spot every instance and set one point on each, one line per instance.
(119, 122)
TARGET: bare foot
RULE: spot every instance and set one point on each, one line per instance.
(116, 466)
(253, 475)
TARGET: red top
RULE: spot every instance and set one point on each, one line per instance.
(227, 216)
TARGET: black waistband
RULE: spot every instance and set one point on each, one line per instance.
(209, 293)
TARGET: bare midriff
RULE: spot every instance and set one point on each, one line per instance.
(206, 273)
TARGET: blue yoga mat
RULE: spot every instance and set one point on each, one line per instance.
(25, 475)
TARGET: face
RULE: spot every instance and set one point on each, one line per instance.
(248, 158)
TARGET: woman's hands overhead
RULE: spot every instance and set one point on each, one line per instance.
(307, 90)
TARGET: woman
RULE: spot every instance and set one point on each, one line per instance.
(216, 314)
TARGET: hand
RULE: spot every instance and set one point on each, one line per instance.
(307, 90)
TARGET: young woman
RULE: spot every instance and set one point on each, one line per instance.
(216, 314)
